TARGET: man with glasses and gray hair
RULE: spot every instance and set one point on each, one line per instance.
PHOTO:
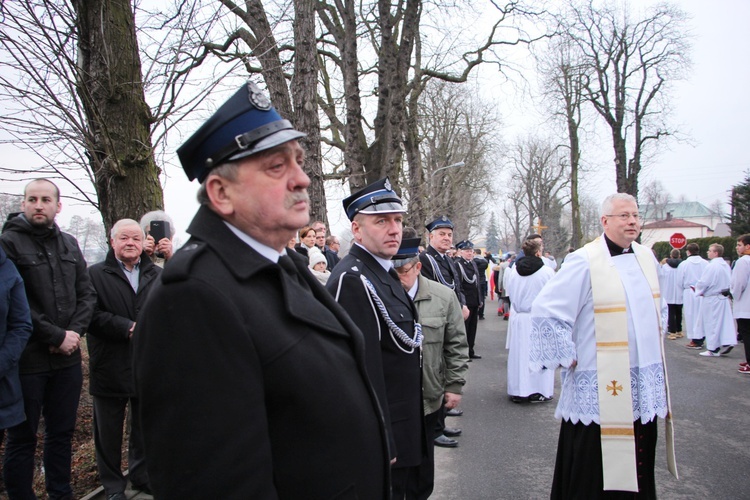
(599, 318)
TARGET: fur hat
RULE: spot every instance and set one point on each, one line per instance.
(316, 256)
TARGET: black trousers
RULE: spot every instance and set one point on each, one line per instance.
(54, 394)
(743, 329)
(471, 327)
(578, 469)
(674, 321)
(109, 417)
(421, 489)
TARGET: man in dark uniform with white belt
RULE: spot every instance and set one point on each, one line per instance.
(367, 286)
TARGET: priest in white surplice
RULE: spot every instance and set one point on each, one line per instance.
(522, 284)
(600, 318)
(714, 319)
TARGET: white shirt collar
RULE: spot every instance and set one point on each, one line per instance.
(266, 251)
(386, 263)
(414, 289)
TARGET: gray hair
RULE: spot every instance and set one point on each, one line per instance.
(226, 171)
(124, 223)
(610, 200)
(157, 215)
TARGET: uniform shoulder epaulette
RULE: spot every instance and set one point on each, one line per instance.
(178, 268)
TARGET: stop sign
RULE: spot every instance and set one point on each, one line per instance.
(678, 240)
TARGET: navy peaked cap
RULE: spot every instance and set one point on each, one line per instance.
(463, 245)
(244, 125)
(438, 223)
(408, 250)
(377, 198)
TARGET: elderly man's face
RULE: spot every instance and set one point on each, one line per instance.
(622, 225)
(128, 243)
(409, 274)
(268, 200)
(380, 234)
(441, 239)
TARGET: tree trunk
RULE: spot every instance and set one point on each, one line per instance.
(111, 89)
(304, 88)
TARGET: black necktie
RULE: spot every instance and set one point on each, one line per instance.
(287, 264)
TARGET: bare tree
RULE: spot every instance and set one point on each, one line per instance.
(632, 63)
(564, 76)
(74, 86)
(540, 171)
(455, 127)
(655, 196)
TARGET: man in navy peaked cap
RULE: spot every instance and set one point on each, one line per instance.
(368, 287)
(241, 356)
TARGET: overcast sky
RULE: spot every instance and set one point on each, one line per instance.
(712, 106)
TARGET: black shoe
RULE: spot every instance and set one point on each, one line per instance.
(475, 356)
(481, 317)
(538, 398)
(727, 350)
(452, 431)
(117, 496)
(454, 412)
(519, 399)
(445, 442)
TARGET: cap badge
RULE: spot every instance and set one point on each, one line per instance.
(257, 98)
(387, 184)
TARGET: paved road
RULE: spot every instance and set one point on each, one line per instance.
(508, 450)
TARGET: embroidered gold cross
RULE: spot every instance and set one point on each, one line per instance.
(614, 387)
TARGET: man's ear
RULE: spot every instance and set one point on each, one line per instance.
(217, 190)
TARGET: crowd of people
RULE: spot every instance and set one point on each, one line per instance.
(257, 362)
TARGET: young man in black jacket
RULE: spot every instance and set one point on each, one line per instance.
(61, 300)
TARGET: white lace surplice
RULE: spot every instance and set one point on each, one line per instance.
(563, 331)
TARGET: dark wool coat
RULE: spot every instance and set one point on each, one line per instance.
(15, 330)
(395, 372)
(250, 386)
(117, 308)
(58, 289)
(447, 268)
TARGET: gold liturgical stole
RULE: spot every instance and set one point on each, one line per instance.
(613, 366)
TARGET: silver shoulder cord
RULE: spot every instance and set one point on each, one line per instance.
(395, 330)
(465, 277)
(438, 274)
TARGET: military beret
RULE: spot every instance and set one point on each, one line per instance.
(376, 198)
(244, 125)
(438, 223)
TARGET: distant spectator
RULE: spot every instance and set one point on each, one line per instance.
(306, 241)
(159, 251)
(122, 282)
(318, 266)
(15, 330)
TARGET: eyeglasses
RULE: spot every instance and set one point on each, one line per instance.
(405, 270)
(626, 217)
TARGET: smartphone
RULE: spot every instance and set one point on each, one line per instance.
(159, 229)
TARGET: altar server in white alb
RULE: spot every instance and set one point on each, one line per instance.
(714, 319)
(689, 272)
(740, 288)
(600, 318)
(523, 283)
